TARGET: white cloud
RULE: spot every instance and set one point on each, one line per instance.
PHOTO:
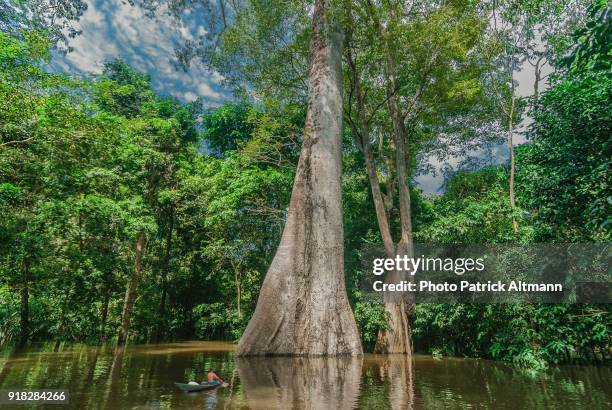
(189, 96)
(114, 29)
(205, 90)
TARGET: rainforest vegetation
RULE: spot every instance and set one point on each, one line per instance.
(128, 215)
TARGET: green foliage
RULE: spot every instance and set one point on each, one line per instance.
(592, 42)
(565, 171)
(370, 317)
(563, 181)
(527, 335)
(122, 91)
(226, 127)
(56, 19)
(87, 167)
(474, 209)
(216, 321)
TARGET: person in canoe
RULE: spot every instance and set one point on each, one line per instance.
(213, 378)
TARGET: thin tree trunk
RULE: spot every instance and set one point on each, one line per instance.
(536, 85)
(104, 311)
(539, 64)
(512, 162)
(237, 284)
(396, 338)
(130, 291)
(303, 307)
(364, 142)
(162, 312)
(238, 294)
(25, 304)
(389, 184)
(164, 278)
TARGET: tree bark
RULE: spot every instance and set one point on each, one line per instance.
(104, 311)
(396, 337)
(537, 68)
(303, 307)
(164, 277)
(130, 291)
(237, 284)
(364, 142)
(512, 161)
(25, 304)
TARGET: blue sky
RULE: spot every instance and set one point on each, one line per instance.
(114, 29)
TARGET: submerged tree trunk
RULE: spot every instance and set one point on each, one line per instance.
(25, 304)
(363, 136)
(400, 373)
(303, 307)
(130, 291)
(396, 337)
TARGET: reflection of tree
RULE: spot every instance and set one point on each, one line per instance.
(298, 382)
(91, 367)
(5, 370)
(114, 378)
(232, 383)
(399, 369)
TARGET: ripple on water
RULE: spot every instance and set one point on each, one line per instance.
(143, 377)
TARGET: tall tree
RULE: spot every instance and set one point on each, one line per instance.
(303, 307)
(423, 75)
(57, 18)
(532, 31)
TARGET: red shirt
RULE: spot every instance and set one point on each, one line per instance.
(213, 377)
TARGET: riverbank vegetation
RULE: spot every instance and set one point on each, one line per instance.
(129, 215)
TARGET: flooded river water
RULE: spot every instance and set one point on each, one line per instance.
(142, 377)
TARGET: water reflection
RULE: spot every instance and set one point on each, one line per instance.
(210, 400)
(143, 377)
(300, 383)
(114, 378)
(399, 371)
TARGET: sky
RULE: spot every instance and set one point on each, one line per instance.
(114, 29)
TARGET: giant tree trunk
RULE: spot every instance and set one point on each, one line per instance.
(130, 291)
(396, 338)
(303, 307)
